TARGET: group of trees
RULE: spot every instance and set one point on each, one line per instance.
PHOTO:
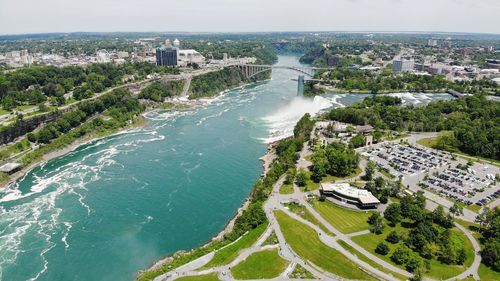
(212, 83)
(379, 187)
(158, 91)
(474, 120)
(489, 222)
(36, 84)
(336, 159)
(118, 103)
(429, 237)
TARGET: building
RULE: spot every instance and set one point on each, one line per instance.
(185, 57)
(166, 56)
(10, 168)
(349, 194)
(403, 64)
(493, 63)
(432, 43)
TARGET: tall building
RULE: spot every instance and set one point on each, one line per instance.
(403, 64)
(166, 56)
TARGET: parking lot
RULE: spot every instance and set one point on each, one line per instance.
(423, 168)
(407, 160)
(475, 184)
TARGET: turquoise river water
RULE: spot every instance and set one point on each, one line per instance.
(113, 206)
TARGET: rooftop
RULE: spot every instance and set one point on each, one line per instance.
(345, 189)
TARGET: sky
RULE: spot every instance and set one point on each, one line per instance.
(41, 16)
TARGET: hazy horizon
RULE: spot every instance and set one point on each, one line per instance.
(234, 16)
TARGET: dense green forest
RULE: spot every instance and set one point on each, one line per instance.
(474, 121)
(212, 83)
(118, 104)
(34, 85)
(159, 90)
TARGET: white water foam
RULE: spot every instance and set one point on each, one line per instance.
(281, 124)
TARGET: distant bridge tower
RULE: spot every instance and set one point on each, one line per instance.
(300, 88)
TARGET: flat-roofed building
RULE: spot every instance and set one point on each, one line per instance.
(349, 194)
(10, 167)
(403, 64)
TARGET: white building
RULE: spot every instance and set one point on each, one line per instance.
(403, 64)
(185, 57)
(349, 194)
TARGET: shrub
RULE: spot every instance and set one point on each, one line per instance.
(382, 249)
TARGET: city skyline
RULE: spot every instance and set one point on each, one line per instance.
(245, 16)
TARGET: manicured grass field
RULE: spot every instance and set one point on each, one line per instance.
(230, 252)
(347, 221)
(486, 273)
(305, 242)
(286, 189)
(265, 264)
(369, 261)
(207, 277)
(3, 111)
(438, 270)
(305, 214)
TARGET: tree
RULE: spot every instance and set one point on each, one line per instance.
(382, 249)
(369, 171)
(301, 178)
(413, 263)
(401, 255)
(377, 223)
(393, 214)
(457, 210)
(393, 237)
(357, 141)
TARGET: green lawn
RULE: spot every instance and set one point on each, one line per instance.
(3, 111)
(207, 277)
(364, 258)
(286, 189)
(486, 273)
(24, 107)
(265, 264)
(305, 214)
(305, 242)
(438, 270)
(229, 253)
(345, 220)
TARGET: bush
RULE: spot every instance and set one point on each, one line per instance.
(382, 249)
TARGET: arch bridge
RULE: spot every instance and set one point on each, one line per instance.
(250, 70)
